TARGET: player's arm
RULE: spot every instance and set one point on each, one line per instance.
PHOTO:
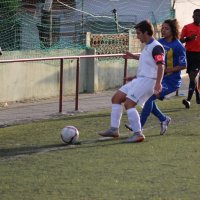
(158, 55)
(130, 55)
(170, 70)
(189, 38)
(184, 36)
(160, 73)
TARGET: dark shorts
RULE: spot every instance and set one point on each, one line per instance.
(193, 61)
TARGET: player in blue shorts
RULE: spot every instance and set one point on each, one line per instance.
(175, 61)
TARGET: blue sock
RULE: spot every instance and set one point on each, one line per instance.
(156, 111)
(147, 109)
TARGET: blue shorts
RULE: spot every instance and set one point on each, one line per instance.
(167, 88)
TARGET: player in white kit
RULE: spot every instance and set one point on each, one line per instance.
(146, 83)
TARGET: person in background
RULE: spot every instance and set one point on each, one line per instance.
(0, 51)
(141, 87)
(175, 61)
(190, 35)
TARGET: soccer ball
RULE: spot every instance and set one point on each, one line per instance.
(69, 134)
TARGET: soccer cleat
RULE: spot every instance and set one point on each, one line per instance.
(164, 125)
(136, 137)
(112, 132)
(186, 103)
(128, 126)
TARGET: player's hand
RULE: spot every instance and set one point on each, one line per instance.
(157, 89)
(129, 55)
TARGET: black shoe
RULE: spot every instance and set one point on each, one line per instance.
(186, 103)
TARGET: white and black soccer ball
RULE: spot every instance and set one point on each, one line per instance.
(69, 134)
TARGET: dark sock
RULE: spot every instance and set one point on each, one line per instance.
(197, 94)
(191, 90)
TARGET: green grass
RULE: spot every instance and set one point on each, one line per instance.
(35, 164)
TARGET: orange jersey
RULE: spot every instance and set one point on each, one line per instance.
(189, 30)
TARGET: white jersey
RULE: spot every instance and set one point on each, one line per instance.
(142, 87)
(147, 63)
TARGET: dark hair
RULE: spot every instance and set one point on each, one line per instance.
(196, 10)
(145, 26)
(174, 26)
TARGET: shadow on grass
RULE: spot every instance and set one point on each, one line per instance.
(11, 153)
(17, 152)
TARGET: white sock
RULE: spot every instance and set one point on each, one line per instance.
(134, 119)
(116, 115)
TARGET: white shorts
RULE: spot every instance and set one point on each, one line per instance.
(139, 89)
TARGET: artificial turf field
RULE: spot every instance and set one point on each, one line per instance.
(35, 164)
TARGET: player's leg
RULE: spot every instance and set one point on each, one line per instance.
(198, 82)
(139, 93)
(193, 66)
(168, 88)
(117, 108)
(134, 121)
(197, 88)
(164, 120)
(150, 106)
(147, 109)
(192, 86)
(116, 112)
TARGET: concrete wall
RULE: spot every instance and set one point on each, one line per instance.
(38, 80)
(20, 81)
